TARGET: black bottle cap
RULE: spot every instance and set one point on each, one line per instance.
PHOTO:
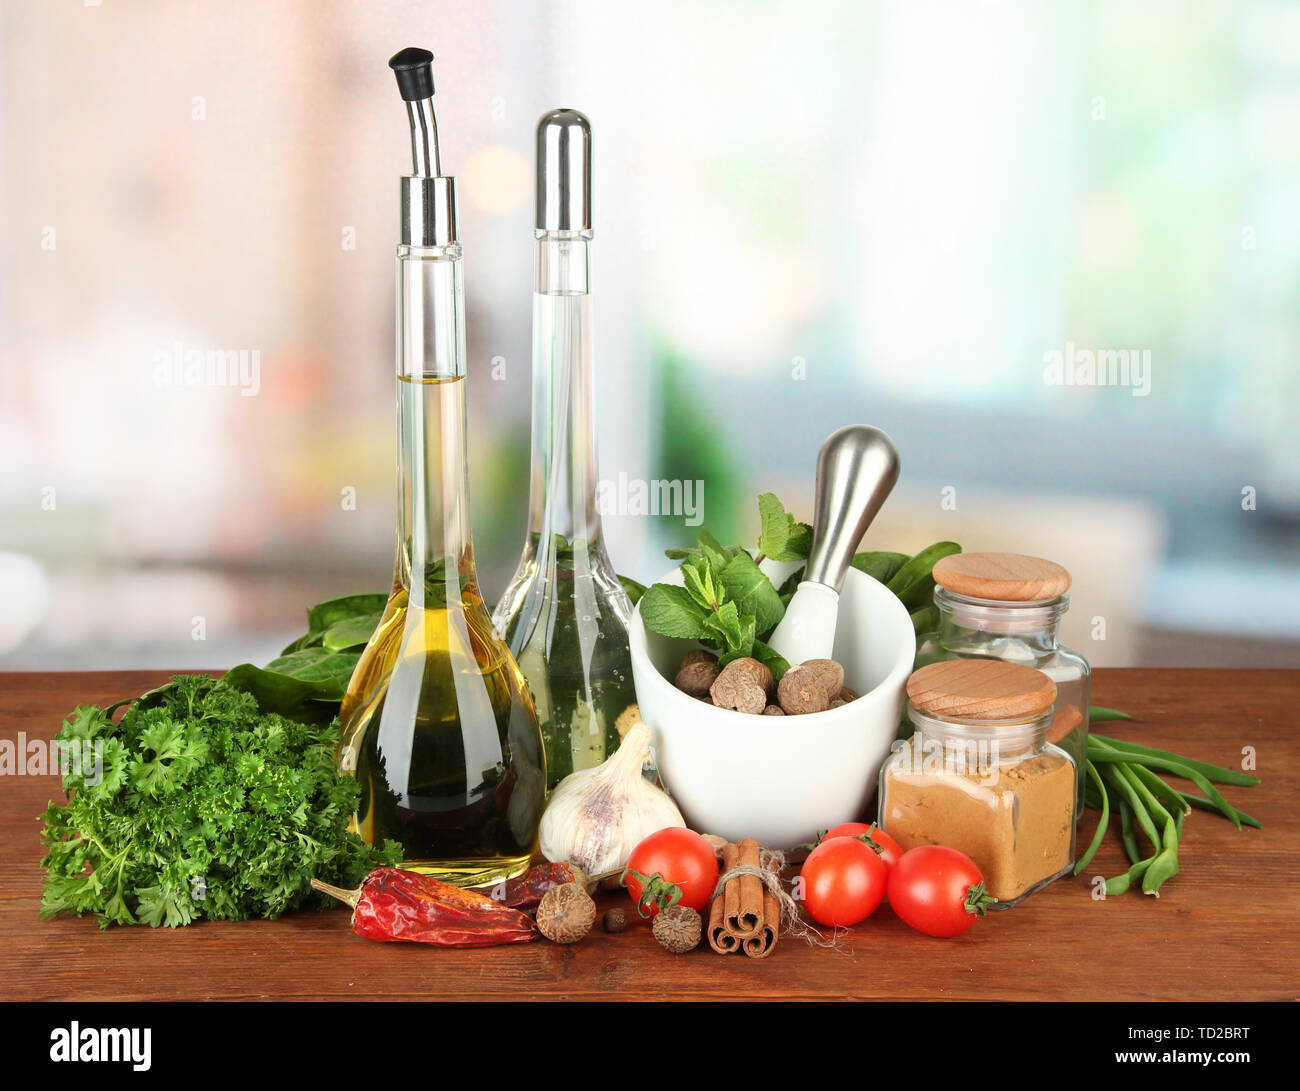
(414, 70)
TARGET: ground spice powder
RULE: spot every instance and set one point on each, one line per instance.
(1016, 821)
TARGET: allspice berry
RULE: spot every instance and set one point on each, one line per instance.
(678, 929)
(566, 913)
(615, 920)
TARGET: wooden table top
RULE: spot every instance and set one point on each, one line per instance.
(1224, 929)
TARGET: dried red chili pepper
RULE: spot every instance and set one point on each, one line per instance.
(526, 892)
(392, 904)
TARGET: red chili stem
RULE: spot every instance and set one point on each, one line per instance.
(351, 897)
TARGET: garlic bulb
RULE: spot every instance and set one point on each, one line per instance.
(596, 817)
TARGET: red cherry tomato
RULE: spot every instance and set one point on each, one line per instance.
(890, 850)
(844, 880)
(680, 857)
(937, 890)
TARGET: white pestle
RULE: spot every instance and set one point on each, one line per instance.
(856, 470)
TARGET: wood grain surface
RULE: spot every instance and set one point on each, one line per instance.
(1225, 928)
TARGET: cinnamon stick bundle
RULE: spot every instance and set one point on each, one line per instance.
(746, 916)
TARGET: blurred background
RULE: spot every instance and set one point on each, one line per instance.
(807, 214)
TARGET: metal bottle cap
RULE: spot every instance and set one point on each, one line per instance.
(563, 171)
(428, 196)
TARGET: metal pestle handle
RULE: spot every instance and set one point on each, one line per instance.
(857, 468)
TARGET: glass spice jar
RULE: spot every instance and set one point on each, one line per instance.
(978, 775)
(1009, 606)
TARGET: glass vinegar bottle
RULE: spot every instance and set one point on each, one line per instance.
(565, 614)
(438, 725)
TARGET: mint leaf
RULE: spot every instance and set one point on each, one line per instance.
(715, 552)
(670, 611)
(774, 662)
(724, 625)
(697, 577)
(753, 592)
(780, 537)
(743, 646)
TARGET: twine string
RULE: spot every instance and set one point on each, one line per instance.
(770, 863)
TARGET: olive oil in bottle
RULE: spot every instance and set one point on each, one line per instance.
(438, 724)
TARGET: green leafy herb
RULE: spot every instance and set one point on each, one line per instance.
(780, 537)
(203, 807)
(729, 603)
(633, 589)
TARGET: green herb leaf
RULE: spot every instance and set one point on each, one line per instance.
(715, 553)
(697, 577)
(227, 812)
(879, 566)
(774, 662)
(632, 589)
(726, 627)
(780, 537)
(753, 593)
(670, 611)
(326, 614)
(352, 632)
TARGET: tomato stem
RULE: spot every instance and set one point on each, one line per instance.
(978, 900)
(656, 892)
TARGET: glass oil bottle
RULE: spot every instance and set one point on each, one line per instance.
(565, 614)
(438, 725)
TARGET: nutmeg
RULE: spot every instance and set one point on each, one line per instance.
(566, 913)
(615, 920)
(829, 675)
(742, 685)
(697, 673)
(678, 929)
(774, 710)
(802, 691)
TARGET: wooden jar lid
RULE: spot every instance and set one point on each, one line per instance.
(981, 689)
(1002, 577)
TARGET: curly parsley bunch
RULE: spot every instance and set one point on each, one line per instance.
(199, 806)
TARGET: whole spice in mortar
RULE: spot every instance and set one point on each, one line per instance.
(392, 904)
(566, 914)
(678, 929)
(698, 672)
(743, 685)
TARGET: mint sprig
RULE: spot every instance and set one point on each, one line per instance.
(728, 603)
